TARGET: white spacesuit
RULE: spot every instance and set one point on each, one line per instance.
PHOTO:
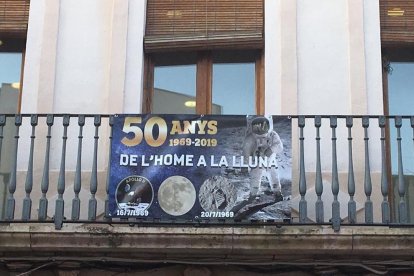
(262, 141)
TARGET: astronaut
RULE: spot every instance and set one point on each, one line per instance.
(262, 141)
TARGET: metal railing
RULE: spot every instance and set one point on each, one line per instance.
(35, 149)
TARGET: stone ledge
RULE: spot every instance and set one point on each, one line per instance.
(266, 243)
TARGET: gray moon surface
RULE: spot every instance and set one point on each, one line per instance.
(176, 195)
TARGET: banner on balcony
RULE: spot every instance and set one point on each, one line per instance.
(191, 167)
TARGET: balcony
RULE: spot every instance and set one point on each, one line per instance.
(351, 199)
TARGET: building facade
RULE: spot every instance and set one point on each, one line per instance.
(336, 67)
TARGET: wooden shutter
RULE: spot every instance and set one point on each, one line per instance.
(14, 15)
(203, 24)
(397, 21)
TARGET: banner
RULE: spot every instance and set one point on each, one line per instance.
(192, 167)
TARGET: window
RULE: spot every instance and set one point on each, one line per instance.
(13, 28)
(204, 57)
(397, 41)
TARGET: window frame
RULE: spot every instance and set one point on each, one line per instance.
(204, 79)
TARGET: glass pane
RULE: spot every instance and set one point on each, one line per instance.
(10, 67)
(401, 88)
(234, 88)
(10, 64)
(401, 102)
(174, 89)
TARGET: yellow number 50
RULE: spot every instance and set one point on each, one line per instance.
(128, 128)
(131, 126)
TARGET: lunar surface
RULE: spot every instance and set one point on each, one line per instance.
(176, 195)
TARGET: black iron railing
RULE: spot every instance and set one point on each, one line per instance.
(331, 151)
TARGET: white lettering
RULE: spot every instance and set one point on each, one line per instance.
(212, 162)
(201, 161)
(223, 162)
(168, 160)
(157, 160)
(123, 160)
(252, 161)
(143, 163)
(133, 160)
(189, 160)
(272, 163)
(179, 160)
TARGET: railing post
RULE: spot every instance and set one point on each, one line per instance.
(2, 123)
(78, 177)
(45, 178)
(94, 175)
(60, 204)
(369, 218)
(10, 206)
(385, 207)
(318, 180)
(402, 208)
(336, 216)
(27, 201)
(111, 123)
(351, 176)
(303, 209)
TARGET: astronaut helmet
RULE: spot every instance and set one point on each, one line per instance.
(259, 126)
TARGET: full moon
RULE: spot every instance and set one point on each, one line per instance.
(176, 195)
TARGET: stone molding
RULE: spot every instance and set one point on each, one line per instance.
(225, 244)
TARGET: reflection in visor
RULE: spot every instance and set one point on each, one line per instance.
(260, 126)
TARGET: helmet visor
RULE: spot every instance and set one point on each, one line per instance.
(260, 126)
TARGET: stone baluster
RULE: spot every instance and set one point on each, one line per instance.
(2, 124)
(402, 207)
(336, 216)
(303, 211)
(108, 176)
(351, 175)
(369, 217)
(27, 201)
(77, 185)
(43, 202)
(60, 204)
(94, 175)
(385, 207)
(11, 202)
(318, 180)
